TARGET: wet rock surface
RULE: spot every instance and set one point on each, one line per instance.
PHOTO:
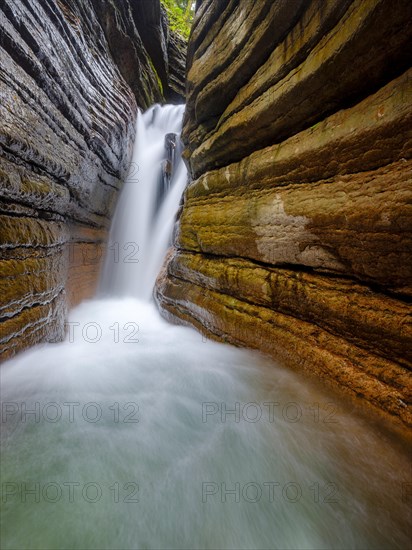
(295, 233)
(74, 73)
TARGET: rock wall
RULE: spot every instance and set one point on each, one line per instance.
(295, 233)
(73, 74)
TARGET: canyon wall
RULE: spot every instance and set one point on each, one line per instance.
(295, 233)
(73, 74)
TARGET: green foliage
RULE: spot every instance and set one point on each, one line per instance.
(180, 14)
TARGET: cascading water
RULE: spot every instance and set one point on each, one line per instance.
(147, 207)
(134, 433)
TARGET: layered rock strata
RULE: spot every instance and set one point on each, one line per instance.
(72, 76)
(295, 234)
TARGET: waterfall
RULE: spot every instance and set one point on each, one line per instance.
(147, 207)
(138, 434)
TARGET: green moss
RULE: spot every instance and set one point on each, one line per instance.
(157, 76)
(180, 13)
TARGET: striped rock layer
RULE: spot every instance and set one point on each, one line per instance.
(295, 233)
(72, 76)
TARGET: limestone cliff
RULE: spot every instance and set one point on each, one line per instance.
(295, 233)
(72, 76)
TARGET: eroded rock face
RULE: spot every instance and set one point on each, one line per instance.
(295, 235)
(150, 56)
(73, 74)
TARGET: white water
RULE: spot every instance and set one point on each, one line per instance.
(138, 239)
(159, 458)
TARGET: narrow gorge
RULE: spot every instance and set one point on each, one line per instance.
(206, 274)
